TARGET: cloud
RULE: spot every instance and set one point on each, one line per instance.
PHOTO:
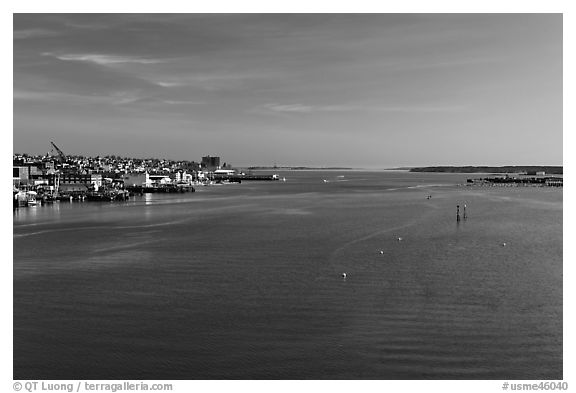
(454, 63)
(300, 108)
(168, 84)
(27, 95)
(34, 33)
(123, 98)
(102, 59)
(78, 77)
(182, 102)
(33, 95)
(55, 96)
(213, 80)
(86, 25)
(127, 98)
(420, 109)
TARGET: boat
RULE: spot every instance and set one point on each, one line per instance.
(64, 197)
(31, 198)
(47, 198)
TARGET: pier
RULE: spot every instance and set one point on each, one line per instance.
(520, 181)
(238, 178)
(162, 189)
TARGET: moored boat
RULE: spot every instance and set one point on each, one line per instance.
(31, 198)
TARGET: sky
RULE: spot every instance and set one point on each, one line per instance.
(354, 90)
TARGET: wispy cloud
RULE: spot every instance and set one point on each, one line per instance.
(453, 63)
(25, 95)
(123, 98)
(126, 97)
(139, 97)
(34, 33)
(86, 25)
(103, 59)
(215, 80)
(420, 109)
(130, 98)
(168, 84)
(300, 108)
(54, 96)
(182, 102)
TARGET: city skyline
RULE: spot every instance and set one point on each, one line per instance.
(358, 90)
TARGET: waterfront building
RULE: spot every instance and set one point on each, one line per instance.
(76, 182)
(134, 179)
(226, 172)
(78, 174)
(554, 181)
(19, 176)
(96, 180)
(210, 164)
(157, 180)
(30, 173)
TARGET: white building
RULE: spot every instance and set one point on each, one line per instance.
(156, 180)
(224, 172)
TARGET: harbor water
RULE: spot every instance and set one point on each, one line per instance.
(245, 281)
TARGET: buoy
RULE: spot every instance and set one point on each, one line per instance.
(344, 275)
(504, 244)
(381, 252)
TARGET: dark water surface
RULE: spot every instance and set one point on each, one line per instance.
(244, 281)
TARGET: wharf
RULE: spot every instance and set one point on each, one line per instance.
(545, 181)
(240, 178)
(160, 189)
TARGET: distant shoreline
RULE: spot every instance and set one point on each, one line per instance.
(297, 168)
(530, 169)
(549, 170)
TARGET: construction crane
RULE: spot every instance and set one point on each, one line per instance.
(61, 155)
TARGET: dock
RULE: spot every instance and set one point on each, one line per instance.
(240, 178)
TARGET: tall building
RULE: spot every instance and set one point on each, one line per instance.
(210, 163)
